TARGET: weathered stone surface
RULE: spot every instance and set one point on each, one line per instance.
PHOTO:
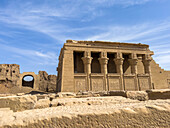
(159, 94)
(20, 94)
(11, 81)
(120, 113)
(43, 84)
(82, 94)
(9, 74)
(18, 103)
(117, 93)
(89, 101)
(65, 94)
(44, 96)
(52, 82)
(137, 95)
(42, 103)
(47, 82)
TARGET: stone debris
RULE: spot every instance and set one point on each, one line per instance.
(91, 112)
(18, 103)
(66, 94)
(159, 94)
(21, 102)
(42, 103)
(137, 95)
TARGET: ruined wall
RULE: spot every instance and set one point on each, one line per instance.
(60, 71)
(47, 82)
(160, 77)
(9, 74)
(11, 80)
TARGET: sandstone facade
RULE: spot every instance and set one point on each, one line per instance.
(10, 77)
(106, 66)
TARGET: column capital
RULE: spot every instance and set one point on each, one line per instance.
(146, 62)
(133, 56)
(147, 59)
(87, 60)
(118, 61)
(119, 55)
(103, 60)
(133, 61)
(87, 54)
(103, 55)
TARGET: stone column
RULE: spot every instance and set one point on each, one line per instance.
(133, 62)
(146, 62)
(103, 63)
(119, 68)
(87, 59)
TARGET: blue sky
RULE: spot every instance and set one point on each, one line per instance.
(32, 32)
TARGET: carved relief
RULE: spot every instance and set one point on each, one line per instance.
(97, 84)
(144, 83)
(114, 84)
(129, 84)
(80, 84)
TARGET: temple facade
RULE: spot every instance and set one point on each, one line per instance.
(106, 66)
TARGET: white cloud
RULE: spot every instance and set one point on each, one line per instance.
(42, 17)
(48, 58)
(124, 2)
(137, 32)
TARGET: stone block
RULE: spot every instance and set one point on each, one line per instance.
(159, 94)
(117, 93)
(43, 96)
(137, 95)
(18, 103)
(20, 94)
(65, 94)
(42, 103)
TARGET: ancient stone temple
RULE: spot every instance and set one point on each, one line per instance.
(106, 66)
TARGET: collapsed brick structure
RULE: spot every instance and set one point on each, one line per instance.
(106, 66)
(10, 76)
(9, 73)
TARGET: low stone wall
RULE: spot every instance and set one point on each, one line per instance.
(18, 103)
(158, 94)
(123, 113)
(21, 102)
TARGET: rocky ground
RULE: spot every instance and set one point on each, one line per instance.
(61, 110)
